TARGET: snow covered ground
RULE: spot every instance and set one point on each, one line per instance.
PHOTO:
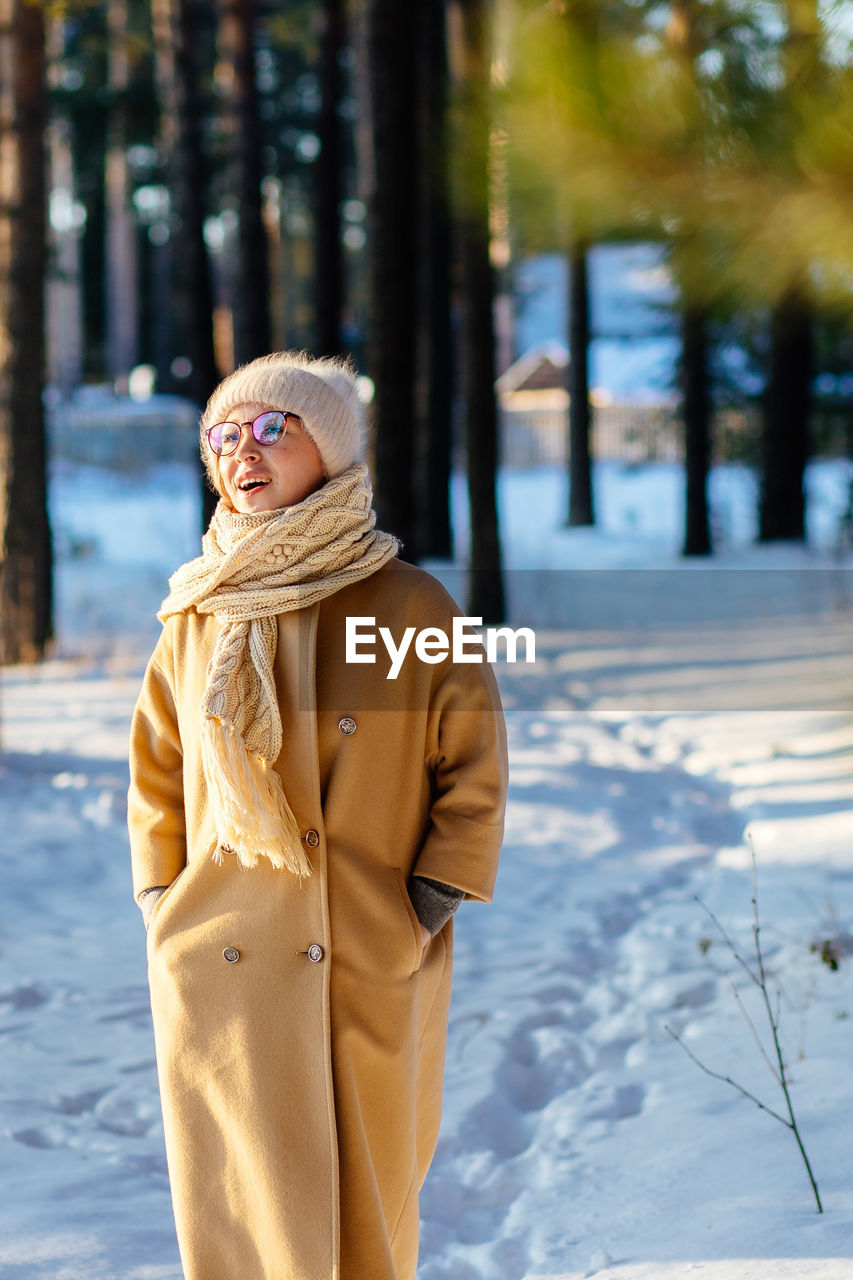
(670, 711)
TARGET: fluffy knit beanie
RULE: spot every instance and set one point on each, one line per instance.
(324, 394)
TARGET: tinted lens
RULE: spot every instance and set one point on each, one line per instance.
(224, 437)
(269, 427)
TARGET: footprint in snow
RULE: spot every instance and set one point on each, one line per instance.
(79, 1104)
(544, 1058)
(701, 993)
(43, 1137)
(623, 1102)
(471, 1213)
(612, 1053)
(28, 995)
(491, 1125)
(127, 1114)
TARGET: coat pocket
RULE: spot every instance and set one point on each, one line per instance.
(414, 923)
(160, 905)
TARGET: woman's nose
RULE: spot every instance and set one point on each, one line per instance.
(248, 446)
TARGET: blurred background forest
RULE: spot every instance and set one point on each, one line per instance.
(187, 184)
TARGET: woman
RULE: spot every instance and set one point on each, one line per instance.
(301, 830)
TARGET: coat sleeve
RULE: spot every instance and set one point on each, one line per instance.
(467, 759)
(155, 803)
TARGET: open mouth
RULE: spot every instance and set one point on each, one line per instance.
(248, 486)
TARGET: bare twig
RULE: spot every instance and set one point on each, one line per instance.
(759, 978)
(726, 1079)
(752, 1028)
(774, 1028)
(731, 946)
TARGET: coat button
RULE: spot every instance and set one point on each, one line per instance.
(231, 954)
(315, 952)
(312, 839)
(347, 725)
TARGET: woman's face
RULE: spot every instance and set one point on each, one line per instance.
(266, 477)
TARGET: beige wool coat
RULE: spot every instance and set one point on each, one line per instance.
(299, 1027)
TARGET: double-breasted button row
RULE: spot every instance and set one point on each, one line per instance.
(314, 953)
(347, 725)
(312, 838)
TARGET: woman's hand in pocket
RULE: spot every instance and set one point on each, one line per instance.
(148, 899)
(426, 936)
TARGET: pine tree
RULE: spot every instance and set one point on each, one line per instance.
(393, 263)
(472, 62)
(237, 32)
(25, 547)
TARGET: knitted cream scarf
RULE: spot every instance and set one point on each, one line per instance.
(252, 568)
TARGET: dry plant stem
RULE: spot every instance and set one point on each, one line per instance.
(753, 1030)
(774, 1028)
(760, 980)
(727, 1079)
(749, 1022)
(727, 940)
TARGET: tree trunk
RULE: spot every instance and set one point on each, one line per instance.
(486, 597)
(89, 147)
(788, 396)
(329, 179)
(64, 334)
(122, 329)
(393, 264)
(697, 429)
(434, 380)
(580, 465)
(189, 297)
(252, 335)
(181, 137)
(787, 409)
(25, 548)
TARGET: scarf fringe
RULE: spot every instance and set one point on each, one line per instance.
(253, 818)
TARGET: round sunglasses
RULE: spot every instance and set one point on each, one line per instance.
(224, 437)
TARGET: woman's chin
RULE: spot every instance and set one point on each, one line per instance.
(248, 504)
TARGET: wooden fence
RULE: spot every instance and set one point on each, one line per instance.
(655, 433)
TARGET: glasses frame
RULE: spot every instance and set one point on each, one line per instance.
(265, 444)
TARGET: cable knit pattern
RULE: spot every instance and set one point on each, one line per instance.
(252, 568)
